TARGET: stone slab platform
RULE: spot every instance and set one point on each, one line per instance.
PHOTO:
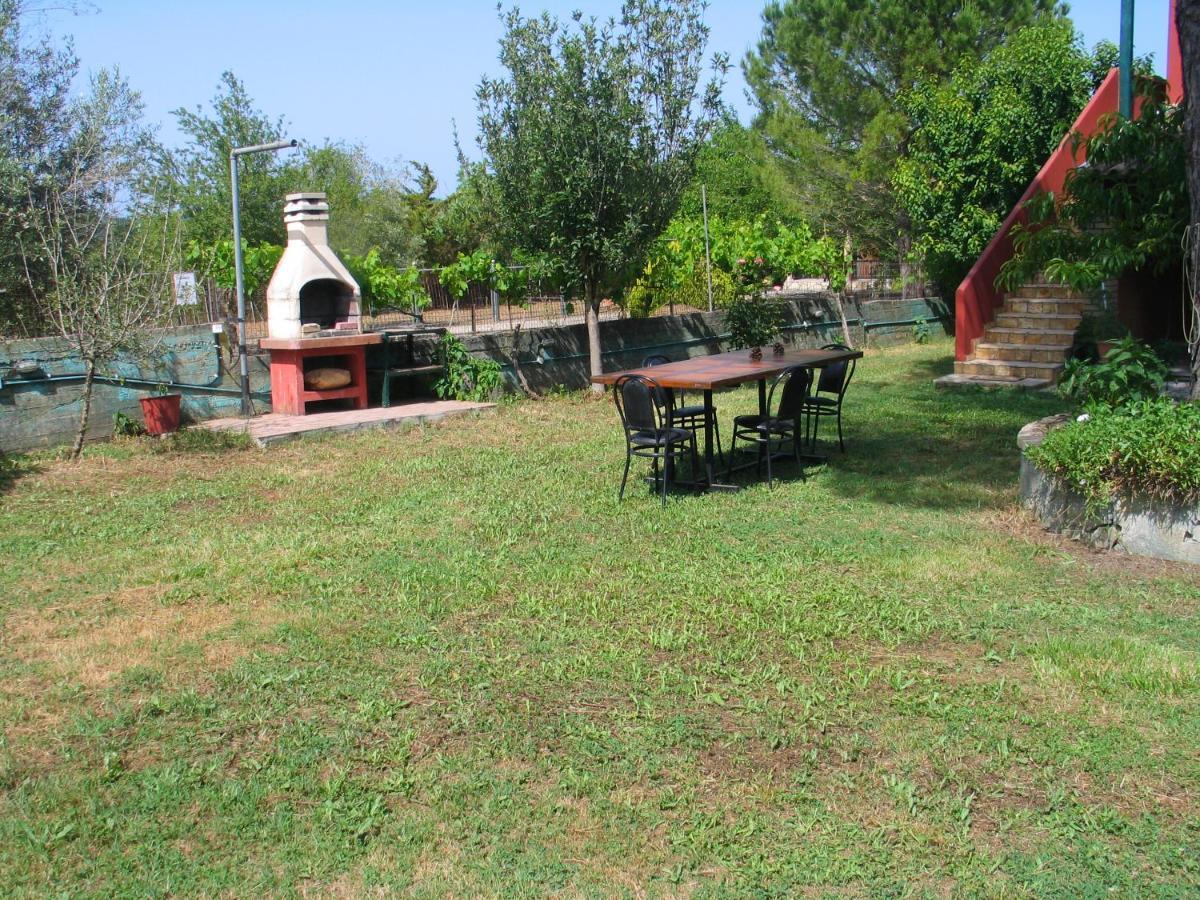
(273, 428)
(958, 381)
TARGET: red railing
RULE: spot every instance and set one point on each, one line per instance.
(976, 299)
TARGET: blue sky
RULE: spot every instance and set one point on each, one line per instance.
(389, 75)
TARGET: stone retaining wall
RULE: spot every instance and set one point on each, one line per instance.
(1138, 527)
(42, 409)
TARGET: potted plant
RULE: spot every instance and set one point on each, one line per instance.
(753, 322)
(161, 411)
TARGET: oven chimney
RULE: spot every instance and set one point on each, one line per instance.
(311, 294)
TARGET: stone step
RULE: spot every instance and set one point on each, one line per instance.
(1043, 305)
(1037, 321)
(1050, 338)
(996, 369)
(1043, 289)
(1002, 352)
(962, 382)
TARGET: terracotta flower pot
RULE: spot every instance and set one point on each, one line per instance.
(161, 413)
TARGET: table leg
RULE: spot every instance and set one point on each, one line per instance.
(708, 437)
(762, 397)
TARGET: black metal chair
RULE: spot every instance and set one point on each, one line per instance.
(771, 432)
(649, 433)
(826, 400)
(685, 415)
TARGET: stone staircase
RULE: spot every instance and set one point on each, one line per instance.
(1027, 342)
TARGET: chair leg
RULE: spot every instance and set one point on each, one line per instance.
(841, 443)
(732, 453)
(666, 469)
(767, 444)
(625, 475)
(717, 437)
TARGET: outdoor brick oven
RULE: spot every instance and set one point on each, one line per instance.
(314, 317)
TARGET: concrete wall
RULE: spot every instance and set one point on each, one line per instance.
(42, 409)
(813, 320)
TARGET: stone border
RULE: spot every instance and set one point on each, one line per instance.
(1138, 527)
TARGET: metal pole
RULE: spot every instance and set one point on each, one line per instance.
(1126, 59)
(243, 360)
(707, 259)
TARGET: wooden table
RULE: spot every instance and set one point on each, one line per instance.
(725, 370)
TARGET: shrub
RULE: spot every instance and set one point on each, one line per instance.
(467, 377)
(753, 321)
(640, 300)
(1146, 449)
(693, 291)
(1130, 372)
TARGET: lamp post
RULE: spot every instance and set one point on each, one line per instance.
(243, 363)
(1126, 60)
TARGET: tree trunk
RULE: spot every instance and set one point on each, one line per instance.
(85, 409)
(593, 330)
(1187, 21)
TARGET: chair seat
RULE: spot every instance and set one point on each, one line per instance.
(692, 413)
(770, 424)
(822, 402)
(661, 438)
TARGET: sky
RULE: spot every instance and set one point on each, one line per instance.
(395, 76)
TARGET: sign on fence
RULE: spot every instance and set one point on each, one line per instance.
(185, 289)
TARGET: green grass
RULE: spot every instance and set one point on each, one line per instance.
(449, 662)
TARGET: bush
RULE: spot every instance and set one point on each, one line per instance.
(640, 300)
(1147, 449)
(693, 291)
(753, 321)
(1130, 372)
(467, 377)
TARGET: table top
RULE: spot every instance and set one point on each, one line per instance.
(320, 343)
(704, 373)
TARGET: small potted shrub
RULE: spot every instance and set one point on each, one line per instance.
(753, 321)
(161, 411)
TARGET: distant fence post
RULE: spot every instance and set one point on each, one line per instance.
(495, 306)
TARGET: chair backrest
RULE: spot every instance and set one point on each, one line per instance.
(639, 405)
(663, 395)
(792, 387)
(835, 377)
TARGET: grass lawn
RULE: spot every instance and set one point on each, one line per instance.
(449, 662)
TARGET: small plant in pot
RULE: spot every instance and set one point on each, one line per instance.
(754, 322)
(161, 411)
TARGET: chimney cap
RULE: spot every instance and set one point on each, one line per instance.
(317, 196)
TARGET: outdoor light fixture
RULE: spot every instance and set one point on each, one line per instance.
(243, 363)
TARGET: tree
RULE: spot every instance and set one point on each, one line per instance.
(841, 64)
(826, 77)
(733, 167)
(109, 257)
(35, 84)
(979, 137)
(1187, 20)
(593, 135)
(201, 169)
(369, 202)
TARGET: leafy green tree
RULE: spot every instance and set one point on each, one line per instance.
(733, 166)
(826, 77)
(1125, 211)
(369, 203)
(466, 221)
(104, 237)
(979, 137)
(35, 125)
(841, 64)
(593, 135)
(202, 169)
